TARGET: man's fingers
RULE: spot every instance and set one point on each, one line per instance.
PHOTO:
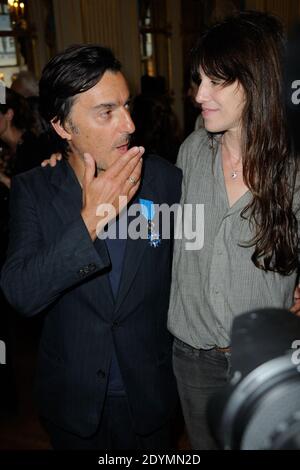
(133, 190)
(134, 178)
(89, 169)
(129, 159)
(132, 170)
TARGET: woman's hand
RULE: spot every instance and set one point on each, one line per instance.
(296, 307)
(5, 179)
(55, 157)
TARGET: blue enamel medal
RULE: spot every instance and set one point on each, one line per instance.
(148, 211)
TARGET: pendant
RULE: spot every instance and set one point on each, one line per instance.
(233, 175)
(153, 237)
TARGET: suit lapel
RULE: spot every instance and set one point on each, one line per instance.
(67, 199)
(134, 248)
(67, 202)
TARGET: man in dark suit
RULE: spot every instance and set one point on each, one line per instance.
(104, 375)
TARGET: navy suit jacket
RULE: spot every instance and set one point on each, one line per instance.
(53, 266)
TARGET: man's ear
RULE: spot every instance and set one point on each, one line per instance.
(61, 131)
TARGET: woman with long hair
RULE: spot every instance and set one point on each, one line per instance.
(243, 170)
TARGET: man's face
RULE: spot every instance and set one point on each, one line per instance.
(99, 121)
(222, 105)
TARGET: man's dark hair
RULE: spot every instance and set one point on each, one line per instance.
(73, 71)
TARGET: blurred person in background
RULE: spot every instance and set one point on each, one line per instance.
(156, 125)
(25, 84)
(23, 147)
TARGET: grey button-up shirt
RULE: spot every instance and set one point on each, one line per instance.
(214, 284)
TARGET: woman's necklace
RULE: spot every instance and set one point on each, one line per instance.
(234, 173)
(234, 169)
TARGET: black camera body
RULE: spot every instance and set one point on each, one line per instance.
(260, 408)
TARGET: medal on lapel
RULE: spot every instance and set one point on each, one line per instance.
(148, 211)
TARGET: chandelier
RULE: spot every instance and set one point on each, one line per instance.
(17, 13)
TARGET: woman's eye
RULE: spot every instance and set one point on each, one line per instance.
(217, 82)
(105, 114)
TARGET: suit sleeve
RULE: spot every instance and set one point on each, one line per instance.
(35, 274)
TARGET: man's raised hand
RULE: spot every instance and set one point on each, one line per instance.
(106, 194)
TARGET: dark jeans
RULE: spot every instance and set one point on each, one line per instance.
(115, 432)
(199, 373)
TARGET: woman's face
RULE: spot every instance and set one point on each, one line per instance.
(222, 105)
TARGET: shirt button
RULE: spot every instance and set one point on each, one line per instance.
(101, 374)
